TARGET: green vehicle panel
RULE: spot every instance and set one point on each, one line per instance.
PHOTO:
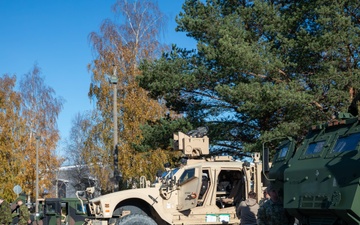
(59, 211)
(320, 180)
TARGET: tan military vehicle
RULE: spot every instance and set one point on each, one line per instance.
(205, 190)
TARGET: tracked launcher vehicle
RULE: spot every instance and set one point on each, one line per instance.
(320, 180)
(205, 190)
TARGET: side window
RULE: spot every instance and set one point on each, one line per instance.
(347, 143)
(187, 175)
(50, 208)
(205, 183)
(284, 150)
(224, 183)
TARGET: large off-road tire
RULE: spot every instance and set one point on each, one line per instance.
(133, 209)
(135, 219)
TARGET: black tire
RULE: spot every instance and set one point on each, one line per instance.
(135, 219)
(133, 209)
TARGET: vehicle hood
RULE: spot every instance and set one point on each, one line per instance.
(125, 194)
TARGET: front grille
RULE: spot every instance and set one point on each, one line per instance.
(315, 202)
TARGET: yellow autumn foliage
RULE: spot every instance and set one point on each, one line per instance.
(118, 49)
(24, 115)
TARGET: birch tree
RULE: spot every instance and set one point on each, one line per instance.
(39, 109)
(119, 46)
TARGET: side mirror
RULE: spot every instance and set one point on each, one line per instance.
(265, 162)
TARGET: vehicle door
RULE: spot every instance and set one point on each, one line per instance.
(76, 212)
(230, 187)
(52, 214)
(189, 185)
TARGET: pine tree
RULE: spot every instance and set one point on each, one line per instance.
(262, 69)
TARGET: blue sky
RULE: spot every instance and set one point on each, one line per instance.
(54, 35)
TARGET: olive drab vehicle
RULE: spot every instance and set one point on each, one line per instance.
(205, 190)
(320, 181)
(61, 211)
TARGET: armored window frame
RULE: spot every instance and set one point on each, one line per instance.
(283, 150)
(346, 143)
(316, 147)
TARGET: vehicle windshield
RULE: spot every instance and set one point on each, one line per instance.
(315, 148)
(81, 208)
(166, 175)
(169, 174)
(347, 143)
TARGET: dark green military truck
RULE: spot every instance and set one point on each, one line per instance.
(319, 180)
(62, 211)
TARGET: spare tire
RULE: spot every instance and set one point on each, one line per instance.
(136, 219)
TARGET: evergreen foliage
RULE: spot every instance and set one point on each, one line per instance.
(159, 134)
(262, 69)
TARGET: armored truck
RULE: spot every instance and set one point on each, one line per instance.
(204, 190)
(319, 181)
